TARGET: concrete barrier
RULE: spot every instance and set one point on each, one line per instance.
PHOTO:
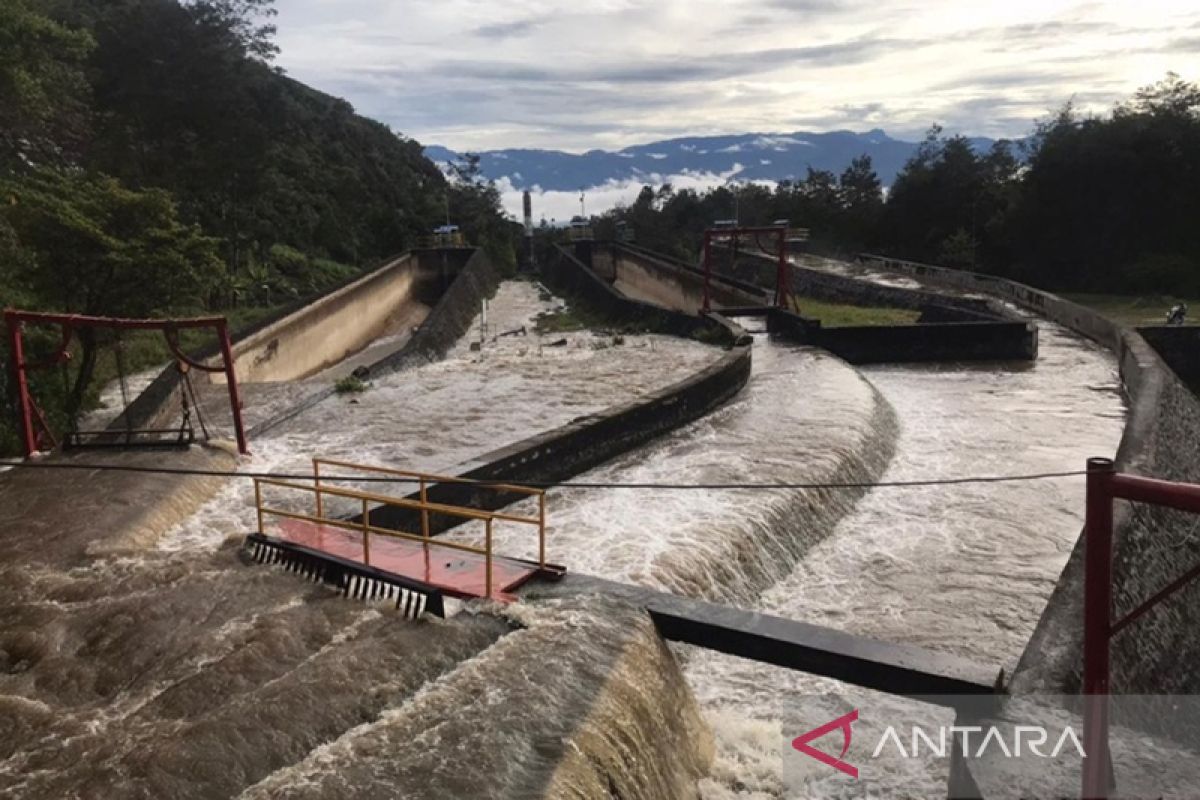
(643, 275)
(1152, 546)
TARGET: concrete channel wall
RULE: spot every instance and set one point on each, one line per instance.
(339, 324)
(594, 439)
(1152, 546)
(472, 276)
(950, 328)
(923, 342)
(643, 275)
(453, 281)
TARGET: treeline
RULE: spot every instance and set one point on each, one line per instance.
(154, 161)
(1086, 203)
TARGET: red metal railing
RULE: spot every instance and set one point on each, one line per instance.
(733, 236)
(1104, 485)
(15, 321)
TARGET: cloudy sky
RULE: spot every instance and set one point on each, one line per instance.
(477, 74)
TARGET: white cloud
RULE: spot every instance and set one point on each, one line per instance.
(545, 73)
(561, 206)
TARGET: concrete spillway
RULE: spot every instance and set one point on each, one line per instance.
(132, 669)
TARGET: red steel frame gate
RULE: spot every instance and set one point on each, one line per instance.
(27, 408)
(1104, 485)
(733, 234)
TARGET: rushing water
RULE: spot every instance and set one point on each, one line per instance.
(964, 569)
(184, 673)
(441, 414)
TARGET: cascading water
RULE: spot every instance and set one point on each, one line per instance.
(964, 569)
(181, 672)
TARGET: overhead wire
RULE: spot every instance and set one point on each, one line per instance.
(500, 483)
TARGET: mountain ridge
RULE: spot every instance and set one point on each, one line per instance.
(743, 156)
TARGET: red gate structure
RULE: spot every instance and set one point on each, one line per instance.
(31, 417)
(1104, 485)
(732, 236)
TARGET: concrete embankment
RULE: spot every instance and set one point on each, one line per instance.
(1152, 546)
(420, 290)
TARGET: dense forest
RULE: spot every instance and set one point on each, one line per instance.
(154, 161)
(1086, 203)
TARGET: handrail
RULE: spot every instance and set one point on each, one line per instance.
(430, 476)
(402, 502)
(425, 478)
(1104, 485)
(424, 505)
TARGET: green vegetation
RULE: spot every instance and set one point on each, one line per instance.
(1086, 204)
(1132, 310)
(351, 384)
(834, 315)
(153, 162)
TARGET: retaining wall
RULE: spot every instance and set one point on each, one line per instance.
(1179, 347)
(337, 325)
(1152, 546)
(938, 342)
(845, 290)
(642, 275)
(475, 278)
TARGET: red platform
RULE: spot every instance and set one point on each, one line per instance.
(456, 573)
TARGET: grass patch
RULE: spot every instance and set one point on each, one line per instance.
(834, 315)
(350, 385)
(1133, 310)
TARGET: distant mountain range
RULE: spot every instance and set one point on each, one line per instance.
(748, 156)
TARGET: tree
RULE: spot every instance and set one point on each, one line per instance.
(43, 92)
(103, 249)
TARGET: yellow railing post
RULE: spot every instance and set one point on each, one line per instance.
(317, 483)
(258, 505)
(542, 530)
(488, 567)
(424, 510)
(366, 525)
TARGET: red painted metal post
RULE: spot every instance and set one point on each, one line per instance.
(231, 381)
(20, 384)
(1097, 625)
(707, 269)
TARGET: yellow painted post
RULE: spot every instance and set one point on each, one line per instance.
(542, 530)
(317, 482)
(488, 567)
(366, 515)
(258, 504)
(424, 510)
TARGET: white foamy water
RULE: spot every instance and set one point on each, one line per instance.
(801, 418)
(963, 569)
(441, 414)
